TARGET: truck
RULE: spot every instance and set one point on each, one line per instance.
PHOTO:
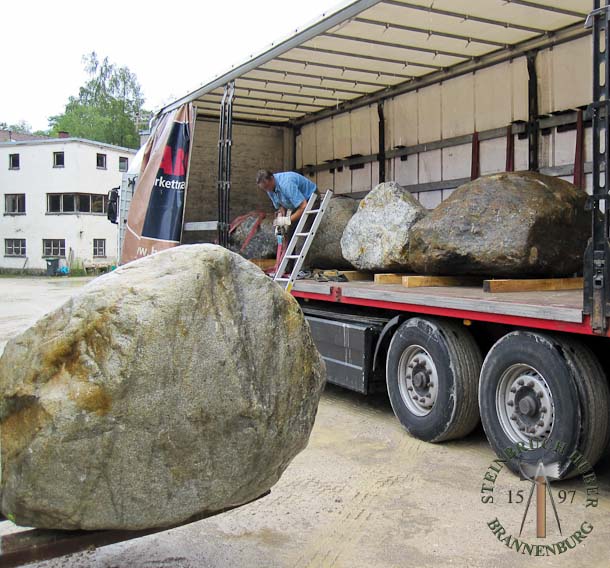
(432, 95)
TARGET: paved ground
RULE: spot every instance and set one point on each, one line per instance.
(24, 300)
(363, 494)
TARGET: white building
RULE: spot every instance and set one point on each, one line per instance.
(54, 202)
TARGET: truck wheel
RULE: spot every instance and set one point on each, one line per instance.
(545, 393)
(432, 371)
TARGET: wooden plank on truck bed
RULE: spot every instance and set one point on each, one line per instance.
(532, 285)
(437, 281)
(356, 275)
(388, 278)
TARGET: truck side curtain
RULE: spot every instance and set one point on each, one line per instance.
(154, 222)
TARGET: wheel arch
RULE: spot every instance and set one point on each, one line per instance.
(385, 337)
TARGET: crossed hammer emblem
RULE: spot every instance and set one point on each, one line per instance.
(539, 474)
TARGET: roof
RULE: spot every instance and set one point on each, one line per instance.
(64, 141)
(12, 135)
(367, 50)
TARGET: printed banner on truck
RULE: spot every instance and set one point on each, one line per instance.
(154, 221)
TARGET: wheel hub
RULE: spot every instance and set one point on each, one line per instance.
(418, 380)
(528, 405)
(525, 404)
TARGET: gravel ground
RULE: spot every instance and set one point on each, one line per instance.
(364, 493)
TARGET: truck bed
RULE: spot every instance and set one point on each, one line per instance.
(560, 311)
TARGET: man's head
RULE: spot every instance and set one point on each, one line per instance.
(265, 180)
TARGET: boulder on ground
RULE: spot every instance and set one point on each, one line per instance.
(180, 384)
(377, 236)
(262, 242)
(507, 224)
(325, 250)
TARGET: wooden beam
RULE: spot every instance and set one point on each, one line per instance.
(437, 281)
(532, 285)
(388, 278)
(34, 545)
(356, 275)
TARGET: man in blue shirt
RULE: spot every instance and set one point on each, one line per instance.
(288, 191)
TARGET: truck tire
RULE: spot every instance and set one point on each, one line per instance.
(536, 389)
(432, 371)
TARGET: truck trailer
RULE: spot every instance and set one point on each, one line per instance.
(432, 95)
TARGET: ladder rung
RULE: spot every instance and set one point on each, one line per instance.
(292, 256)
(281, 279)
(301, 234)
(312, 211)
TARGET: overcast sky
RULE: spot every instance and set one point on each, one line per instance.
(170, 52)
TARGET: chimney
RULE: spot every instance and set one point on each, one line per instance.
(63, 134)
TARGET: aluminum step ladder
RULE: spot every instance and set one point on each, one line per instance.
(300, 233)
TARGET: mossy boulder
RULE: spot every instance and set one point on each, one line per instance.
(325, 250)
(159, 393)
(507, 224)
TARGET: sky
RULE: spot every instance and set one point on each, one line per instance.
(171, 53)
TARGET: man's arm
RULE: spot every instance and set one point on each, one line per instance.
(297, 214)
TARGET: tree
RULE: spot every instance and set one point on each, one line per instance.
(22, 126)
(108, 108)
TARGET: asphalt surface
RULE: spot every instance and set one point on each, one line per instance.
(364, 493)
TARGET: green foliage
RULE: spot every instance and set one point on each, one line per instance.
(108, 108)
(22, 126)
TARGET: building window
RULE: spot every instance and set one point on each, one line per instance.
(13, 161)
(58, 160)
(123, 164)
(53, 202)
(98, 203)
(14, 204)
(83, 203)
(99, 247)
(76, 203)
(53, 247)
(67, 202)
(101, 161)
(14, 247)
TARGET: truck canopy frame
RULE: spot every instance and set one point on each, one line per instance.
(339, 62)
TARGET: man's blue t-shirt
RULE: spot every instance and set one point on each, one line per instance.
(290, 190)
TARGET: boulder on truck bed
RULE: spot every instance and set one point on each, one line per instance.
(508, 224)
(253, 235)
(377, 236)
(181, 384)
(325, 250)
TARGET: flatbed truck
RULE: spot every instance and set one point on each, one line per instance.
(467, 87)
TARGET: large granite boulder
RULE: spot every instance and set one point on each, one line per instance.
(325, 250)
(508, 224)
(377, 236)
(262, 242)
(178, 385)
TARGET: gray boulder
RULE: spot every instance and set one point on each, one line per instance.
(262, 244)
(325, 250)
(159, 393)
(508, 224)
(377, 236)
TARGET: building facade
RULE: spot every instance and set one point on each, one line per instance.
(54, 198)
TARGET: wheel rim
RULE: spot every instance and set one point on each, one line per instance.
(524, 404)
(417, 380)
